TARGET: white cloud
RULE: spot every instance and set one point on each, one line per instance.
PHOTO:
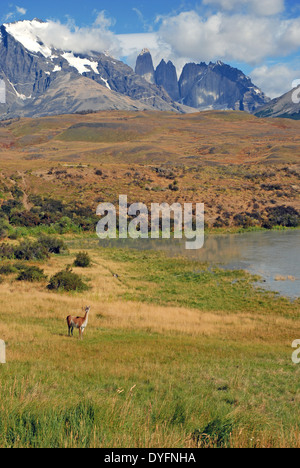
(134, 43)
(275, 80)
(70, 37)
(9, 16)
(22, 11)
(258, 7)
(16, 12)
(230, 37)
(103, 21)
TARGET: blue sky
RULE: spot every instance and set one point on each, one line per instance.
(262, 37)
(127, 13)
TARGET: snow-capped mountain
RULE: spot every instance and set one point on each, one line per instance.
(42, 80)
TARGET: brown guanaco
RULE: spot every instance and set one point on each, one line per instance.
(78, 322)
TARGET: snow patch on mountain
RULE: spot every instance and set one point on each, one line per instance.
(27, 33)
(80, 63)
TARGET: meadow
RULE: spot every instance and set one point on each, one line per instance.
(176, 354)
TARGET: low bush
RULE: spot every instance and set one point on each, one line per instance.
(28, 250)
(282, 216)
(7, 269)
(53, 244)
(4, 228)
(82, 260)
(67, 280)
(6, 250)
(31, 274)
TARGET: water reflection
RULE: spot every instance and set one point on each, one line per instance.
(275, 256)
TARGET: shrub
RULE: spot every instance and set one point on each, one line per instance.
(4, 228)
(282, 216)
(6, 251)
(53, 244)
(244, 220)
(11, 205)
(25, 218)
(28, 250)
(31, 274)
(82, 260)
(66, 280)
(7, 269)
(64, 225)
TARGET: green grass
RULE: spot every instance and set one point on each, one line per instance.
(179, 282)
(181, 385)
(231, 385)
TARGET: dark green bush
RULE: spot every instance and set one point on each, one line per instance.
(4, 228)
(65, 217)
(82, 260)
(6, 251)
(244, 220)
(10, 205)
(66, 280)
(282, 216)
(7, 269)
(28, 250)
(53, 244)
(31, 274)
(24, 218)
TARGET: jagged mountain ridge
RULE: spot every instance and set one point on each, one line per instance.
(201, 86)
(34, 71)
(40, 80)
(286, 106)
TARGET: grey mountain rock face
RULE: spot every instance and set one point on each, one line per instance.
(35, 73)
(201, 86)
(286, 106)
(219, 86)
(25, 75)
(144, 66)
(77, 94)
(166, 76)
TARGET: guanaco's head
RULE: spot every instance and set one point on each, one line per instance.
(87, 309)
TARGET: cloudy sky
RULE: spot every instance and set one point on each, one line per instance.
(261, 37)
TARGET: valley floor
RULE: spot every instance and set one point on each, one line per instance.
(175, 355)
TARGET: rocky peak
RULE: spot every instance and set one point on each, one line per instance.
(219, 86)
(166, 76)
(144, 66)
